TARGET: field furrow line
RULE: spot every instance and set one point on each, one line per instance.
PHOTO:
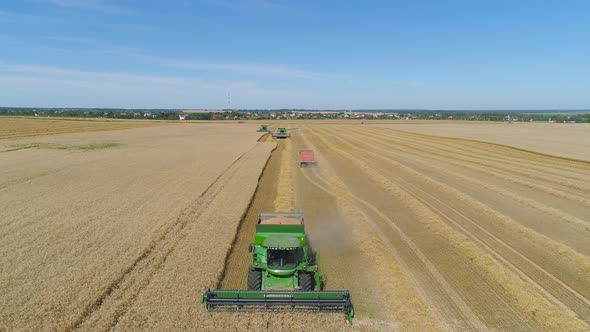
(498, 150)
(479, 158)
(576, 258)
(486, 152)
(120, 294)
(483, 168)
(238, 259)
(387, 151)
(552, 287)
(544, 281)
(14, 128)
(511, 282)
(455, 314)
(510, 316)
(442, 296)
(349, 206)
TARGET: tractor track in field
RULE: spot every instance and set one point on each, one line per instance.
(427, 233)
(486, 277)
(546, 205)
(461, 262)
(557, 188)
(497, 153)
(389, 152)
(239, 259)
(16, 128)
(446, 288)
(545, 282)
(123, 291)
(236, 261)
(418, 161)
(456, 314)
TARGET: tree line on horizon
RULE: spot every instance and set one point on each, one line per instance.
(166, 114)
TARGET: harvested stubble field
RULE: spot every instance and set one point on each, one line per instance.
(434, 233)
(428, 233)
(19, 127)
(570, 140)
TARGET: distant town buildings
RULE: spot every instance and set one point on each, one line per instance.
(557, 116)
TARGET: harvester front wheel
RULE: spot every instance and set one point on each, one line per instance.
(306, 281)
(254, 279)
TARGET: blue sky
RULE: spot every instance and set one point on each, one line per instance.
(477, 54)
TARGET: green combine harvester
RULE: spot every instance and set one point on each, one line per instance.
(284, 273)
(263, 128)
(281, 133)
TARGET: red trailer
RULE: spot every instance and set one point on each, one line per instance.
(306, 158)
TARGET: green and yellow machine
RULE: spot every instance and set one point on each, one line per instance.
(263, 128)
(284, 273)
(281, 133)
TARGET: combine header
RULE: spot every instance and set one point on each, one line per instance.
(281, 133)
(284, 273)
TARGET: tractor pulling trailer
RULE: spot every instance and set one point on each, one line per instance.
(306, 158)
(284, 273)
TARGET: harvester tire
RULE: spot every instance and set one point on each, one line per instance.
(306, 281)
(254, 279)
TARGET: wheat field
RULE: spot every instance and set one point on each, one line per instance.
(19, 127)
(91, 238)
(428, 233)
(436, 233)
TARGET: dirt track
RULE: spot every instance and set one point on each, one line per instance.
(440, 233)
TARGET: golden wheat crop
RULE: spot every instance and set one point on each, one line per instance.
(88, 236)
(19, 127)
(427, 232)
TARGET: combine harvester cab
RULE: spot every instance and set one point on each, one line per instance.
(263, 129)
(281, 133)
(284, 273)
(306, 158)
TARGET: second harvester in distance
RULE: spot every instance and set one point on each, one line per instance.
(281, 133)
(284, 272)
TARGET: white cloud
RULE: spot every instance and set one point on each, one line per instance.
(240, 68)
(17, 17)
(76, 40)
(94, 46)
(29, 85)
(131, 27)
(248, 4)
(95, 5)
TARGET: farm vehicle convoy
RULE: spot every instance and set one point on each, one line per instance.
(280, 132)
(284, 273)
